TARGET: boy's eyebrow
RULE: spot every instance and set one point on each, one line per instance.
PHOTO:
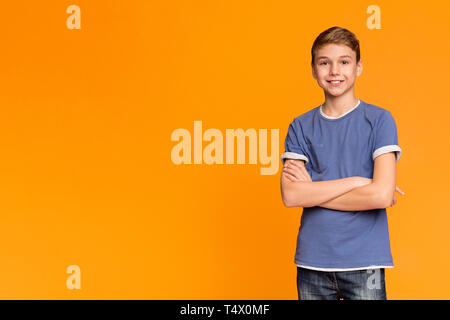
(344, 56)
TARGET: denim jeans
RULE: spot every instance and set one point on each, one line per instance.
(352, 285)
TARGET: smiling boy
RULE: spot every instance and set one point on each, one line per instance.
(340, 166)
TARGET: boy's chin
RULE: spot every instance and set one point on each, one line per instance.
(335, 94)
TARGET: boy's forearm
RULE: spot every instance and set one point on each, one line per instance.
(313, 193)
(367, 197)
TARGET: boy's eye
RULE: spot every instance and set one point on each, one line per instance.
(346, 62)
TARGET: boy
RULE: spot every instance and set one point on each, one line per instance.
(340, 166)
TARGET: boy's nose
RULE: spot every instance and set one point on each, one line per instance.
(334, 71)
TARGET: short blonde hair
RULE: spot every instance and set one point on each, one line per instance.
(336, 35)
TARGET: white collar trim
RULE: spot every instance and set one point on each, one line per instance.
(328, 117)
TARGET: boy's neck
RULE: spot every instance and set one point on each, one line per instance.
(336, 106)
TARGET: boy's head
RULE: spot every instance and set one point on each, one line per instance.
(335, 55)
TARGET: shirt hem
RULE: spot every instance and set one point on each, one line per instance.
(371, 266)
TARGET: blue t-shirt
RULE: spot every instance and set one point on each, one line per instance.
(336, 148)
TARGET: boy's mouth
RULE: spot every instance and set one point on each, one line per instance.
(335, 82)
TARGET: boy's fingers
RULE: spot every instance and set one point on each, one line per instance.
(296, 173)
(292, 167)
(289, 176)
(291, 172)
(306, 173)
(399, 190)
(302, 169)
(297, 164)
(298, 169)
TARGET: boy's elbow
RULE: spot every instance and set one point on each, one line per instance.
(290, 193)
(383, 199)
(291, 204)
(286, 204)
(289, 201)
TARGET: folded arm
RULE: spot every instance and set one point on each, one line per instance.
(306, 193)
(378, 194)
(348, 194)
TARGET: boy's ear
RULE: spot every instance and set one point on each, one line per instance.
(359, 68)
(313, 72)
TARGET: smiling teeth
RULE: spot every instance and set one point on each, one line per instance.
(335, 81)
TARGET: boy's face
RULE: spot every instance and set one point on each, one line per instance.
(336, 62)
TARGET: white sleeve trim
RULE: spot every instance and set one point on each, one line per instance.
(386, 149)
(293, 155)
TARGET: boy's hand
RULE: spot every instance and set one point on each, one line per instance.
(294, 170)
(394, 200)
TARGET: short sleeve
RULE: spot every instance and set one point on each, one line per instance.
(386, 139)
(294, 144)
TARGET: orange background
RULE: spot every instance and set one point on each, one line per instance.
(85, 126)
